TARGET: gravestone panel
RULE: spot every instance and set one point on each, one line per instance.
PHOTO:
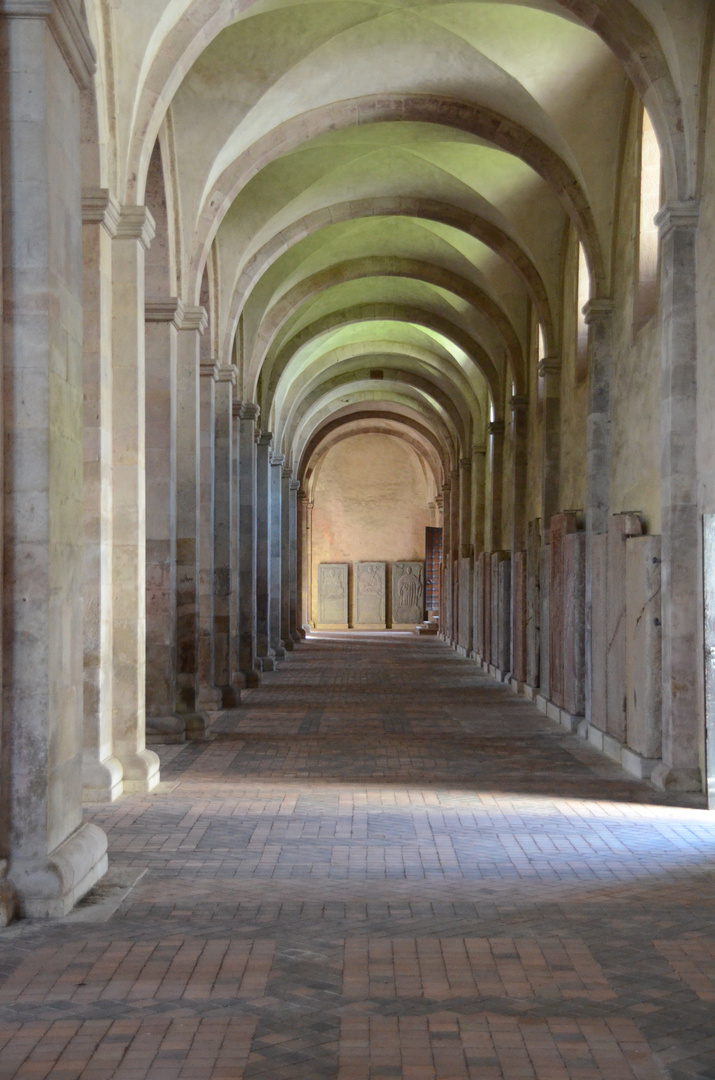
(533, 602)
(333, 595)
(620, 528)
(519, 613)
(574, 622)
(599, 629)
(370, 595)
(643, 646)
(408, 593)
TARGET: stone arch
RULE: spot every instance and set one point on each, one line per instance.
(176, 44)
(479, 121)
(278, 316)
(476, 225)
(385, 313)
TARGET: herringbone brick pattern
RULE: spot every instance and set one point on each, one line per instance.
(384, 866)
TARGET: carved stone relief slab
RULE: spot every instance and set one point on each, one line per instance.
(370, 594)
(333, 595)
(408, 593)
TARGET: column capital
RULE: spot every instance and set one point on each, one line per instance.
(278, 460)
(598, 310)
(164, 309)
(208, 369)
(265, 438)
(99, 207)
(294, 485)
(550, 365)
(455, 474)
(136, 223)
(248, 410)
(497, 427)
(446, 487)
(518, 403)
(683, 214)
(68, 29)
(287, 472)
(194, 318)
(465, 463)
(477, 450)
(438, 501)
(227, 374)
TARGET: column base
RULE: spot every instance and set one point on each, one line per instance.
(297, 637)
(230, 696)
(668, 778)
(253, 678)
(165, 729)
(279, 651)
(48, 888)
(267, 663)
(141, 772)
(289, 644)
(209, 699)
(102, 781)
(8, 897)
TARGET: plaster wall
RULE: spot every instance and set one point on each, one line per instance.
(370, 504)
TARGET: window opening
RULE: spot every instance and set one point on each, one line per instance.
(646, 296)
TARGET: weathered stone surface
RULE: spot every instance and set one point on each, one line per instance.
(599, 632)
(408, 593)
(369, 606)
(533, 613)
(487, 605)
(709, 613)
(561, 526)
(333, 595)
(544, 579)
(518, 627)
(644, 726)
(464, 629)
(501, 609)
(574, 597)
(620, 527)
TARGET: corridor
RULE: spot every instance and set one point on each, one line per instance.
(384, 865)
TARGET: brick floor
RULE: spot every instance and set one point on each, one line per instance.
(384, 865)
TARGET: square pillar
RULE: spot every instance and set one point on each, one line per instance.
(134, 234)
(225, 677)
(51, 857)
(163, 317)
(276, 542)
(247, 623)
(101, 770)
(209, 697)
(193, 324)
(293, 557)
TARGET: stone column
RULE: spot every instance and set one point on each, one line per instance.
(465, 632)
(238, 679)
(248, 414)
(682, 588)
(286, 635)
(209, 697)
(306, 560)
(519, 436)
(445, 599)
(134, 234)
(276, 540)
(53, 857)
(224, 513)
(101, 770)
(549, 370)
(162, 317)
(293, 561)
(264, 650)
(479, 497)
(599, 318)
(496, 464)
(455, 536)
(187, 515)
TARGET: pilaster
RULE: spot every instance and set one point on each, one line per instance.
(224, 525)
(101, 770)
(53, 857)
(549, 370)
(163, 316)
(293, 556)
(496, 465)
(682, 605)
(247, 569)
(285, 631)
(264, 649)
(209, 697)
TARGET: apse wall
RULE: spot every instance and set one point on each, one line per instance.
(370, 502)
